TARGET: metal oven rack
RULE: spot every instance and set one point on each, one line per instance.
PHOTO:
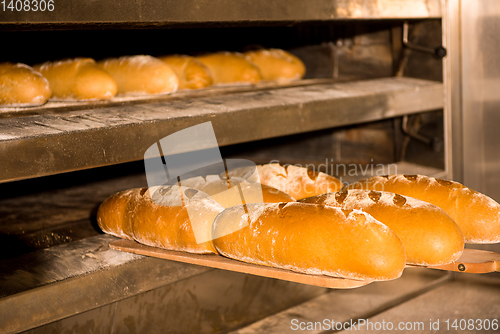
(61, 138)
(55, 142)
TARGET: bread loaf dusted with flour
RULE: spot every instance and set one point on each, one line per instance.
(298, 182)
(477, 215)
(192, 74)
(233, 192)
(169, 217)
(311, 239)
(230, 68)
(429, 235)
(141, 75)
(277, 64)
(179, 217)
(22, 86)
(114, 215)
(78, 79)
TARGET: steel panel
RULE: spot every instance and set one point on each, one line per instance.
(49, 144)
(101, 13)
(480, 28)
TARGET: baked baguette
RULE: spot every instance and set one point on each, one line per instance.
(230, 194)
(429, 235)
(192, 74)
(141, 75)
(169, 217)
(164, 219)
(78, 79)
(311, 239)
(277, 64)
(477, 215)
(229, 68)
(114, 215)
(298, 182)
(22, 86)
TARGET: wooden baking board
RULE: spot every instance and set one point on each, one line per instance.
(473, 261)
(220, 262)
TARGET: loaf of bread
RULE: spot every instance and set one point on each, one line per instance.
(192, 74)
(477, 215)
(169, 217)
(163, 216)
(114, 215)
(429, 235)
(231, 68)
(298, 182)
(311, 239)
(22, 86)
(277, 64)
(78, 79)
(141, 75)
(237, 191)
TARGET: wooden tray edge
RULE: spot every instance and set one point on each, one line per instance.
(220, 262)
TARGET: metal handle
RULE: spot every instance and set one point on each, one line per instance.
(439, 52)
(435, 143)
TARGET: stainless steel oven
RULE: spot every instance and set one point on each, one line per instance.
(392, 86)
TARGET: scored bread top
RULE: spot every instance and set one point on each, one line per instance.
(298, 182)
(141, 74)
(179, 217)
(428, 233)
(176, 218)
(477, 215)
(170, 217)
(312, 239)
(277, 64)
(238, 191)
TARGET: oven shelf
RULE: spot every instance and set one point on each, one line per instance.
(51, 284)
(157, 13)
(56, 142)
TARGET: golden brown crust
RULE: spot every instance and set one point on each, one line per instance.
(132, 214)
(229, 68)
(141, 75)
(273, 195)
(158, 223)
(21, 85)
(310, 238)
(477, 215)
(298, 182)
(114, 214)
(166, 219)
(192, 74)
(277, 64)
(78, 79)
(429, 235)
(252, 192)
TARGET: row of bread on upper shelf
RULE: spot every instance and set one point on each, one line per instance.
(83, 79)
(308, 222)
